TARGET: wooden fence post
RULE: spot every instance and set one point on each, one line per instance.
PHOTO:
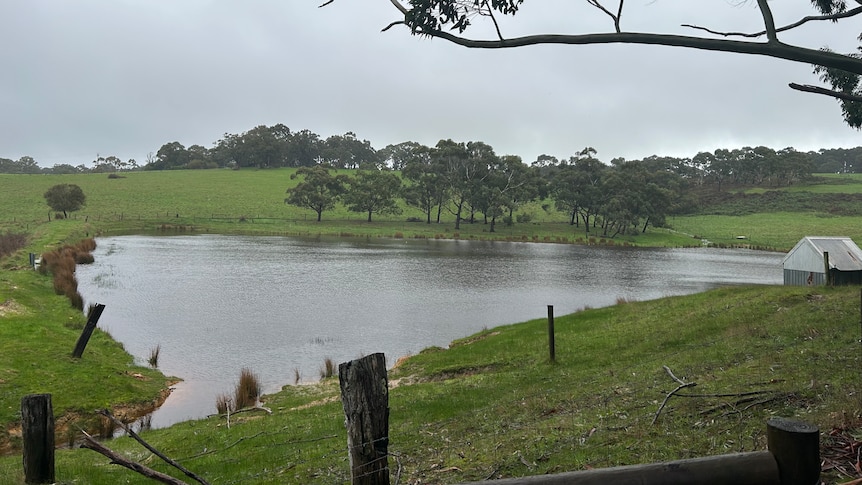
(365, 396)
(37, 430)
(551, 342)
(92, 320)
(796, 448)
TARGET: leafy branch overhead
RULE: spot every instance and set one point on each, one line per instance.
(450, 20)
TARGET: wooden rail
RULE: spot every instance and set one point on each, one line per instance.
(793, 459)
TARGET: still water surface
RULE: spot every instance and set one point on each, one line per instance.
(216, 304)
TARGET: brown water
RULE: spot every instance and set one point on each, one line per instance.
(216, 304)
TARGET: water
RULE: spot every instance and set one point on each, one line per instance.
(216, 304)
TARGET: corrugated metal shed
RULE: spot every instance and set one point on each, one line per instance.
(804, 264)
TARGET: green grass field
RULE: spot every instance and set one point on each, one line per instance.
(491, 405)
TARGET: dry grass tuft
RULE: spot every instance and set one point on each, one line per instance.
(248, 389)
(328, 369)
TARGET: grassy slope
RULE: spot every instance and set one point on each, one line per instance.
(492, 405)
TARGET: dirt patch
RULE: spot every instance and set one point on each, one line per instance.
(475, 339)
(319, 402)
(11, 307)
(459, 372)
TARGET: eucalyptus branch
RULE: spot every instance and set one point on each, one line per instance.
(802, 21)
(616, 18)
(494, 19)
(393, 24)
(768, 20)
(776, 50)
(397, 4)
(619, 15)
(826, 92)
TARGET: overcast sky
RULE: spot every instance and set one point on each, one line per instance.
(123, 77)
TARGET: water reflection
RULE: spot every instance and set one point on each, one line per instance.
(217, 304)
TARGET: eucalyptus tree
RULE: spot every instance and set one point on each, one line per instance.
(373, 192)
(398, 156)
(450, 19)
(25, 164)
(473, 175)
(452, 157)
(347, 151)
(427, 183)
(507, 186)
(170, 156)
(304, 149)
(65, 198)
(319, 190)
(590, 173)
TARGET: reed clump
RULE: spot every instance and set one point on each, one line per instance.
(223, 404)
(248, 389)
(153, 359)
(61, 264)
(328, 369)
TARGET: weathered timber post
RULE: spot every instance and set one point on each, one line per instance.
(551, 343)
(37, 430)
(796, 448)
(365, 397)
(92, 319)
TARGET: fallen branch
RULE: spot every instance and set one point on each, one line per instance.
(243, 410)
(750, 400)
(146, 445)
(117, 459)
(731, 394)
(682, 385)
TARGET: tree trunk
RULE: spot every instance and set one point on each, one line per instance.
(369, 216)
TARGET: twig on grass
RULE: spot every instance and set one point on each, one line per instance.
(91, 444)
(156, 452)
(682, 385)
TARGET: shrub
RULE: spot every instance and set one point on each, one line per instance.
(524, 218)
(11, 242)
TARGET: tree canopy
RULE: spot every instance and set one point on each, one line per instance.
(450, 19)
(319, 191)
(65, 198)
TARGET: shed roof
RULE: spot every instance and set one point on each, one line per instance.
(844, 254)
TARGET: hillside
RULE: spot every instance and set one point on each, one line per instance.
(493, 406)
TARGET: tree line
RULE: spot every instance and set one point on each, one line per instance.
(277, 146)
(469, 181)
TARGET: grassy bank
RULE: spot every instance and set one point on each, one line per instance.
(493, 406)
(38, 332)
